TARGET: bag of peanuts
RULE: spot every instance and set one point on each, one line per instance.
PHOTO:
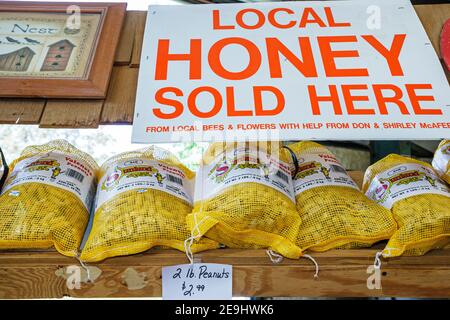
(142, 201)
(47, 197)
(334, 212)
(419, 202)
(3, 169)
(244, 198)
(441, 160)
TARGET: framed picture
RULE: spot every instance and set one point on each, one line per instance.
(58, 50)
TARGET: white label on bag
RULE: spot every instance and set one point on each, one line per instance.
(55, 169)
(442, 159)
(142, 174)
(404, 181)
(243, 165)
(318, 170)
(207, 281)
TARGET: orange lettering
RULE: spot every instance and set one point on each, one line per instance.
(391, 55)
(271, 17)
(415, 99)
(382, 100)
(350, 99)
(192, 102)
(275, 47)
(240, 19)
(315, 99)
(328, 56)
(330, 19)
(315, 18)
(231, 107)
(259, 110)
(217, 67)
(194, 58)
(216, 22)
(159, 97)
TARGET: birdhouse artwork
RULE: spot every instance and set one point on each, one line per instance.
(58, 56)
(18, 60)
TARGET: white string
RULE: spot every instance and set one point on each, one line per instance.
(187, 248)
(190, 241)
(377, 262)
(85, 267)
(277, 258)
(316, 275)
(274, 257)
(20, 115)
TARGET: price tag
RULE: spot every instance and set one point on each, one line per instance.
(200, 281)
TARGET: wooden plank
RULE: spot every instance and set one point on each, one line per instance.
(21, 111)
(343, 273)
(140, 19)
(71, 114)
(126, 41)
(119, 103)
(433, 18)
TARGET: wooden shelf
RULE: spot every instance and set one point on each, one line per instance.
(343, 273)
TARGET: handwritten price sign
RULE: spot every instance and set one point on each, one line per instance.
(207, 281)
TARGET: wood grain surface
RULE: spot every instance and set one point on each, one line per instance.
(119, 104)
(126, 40)
(71, 114)
(343, 273)
(25, 111)
(139, 18)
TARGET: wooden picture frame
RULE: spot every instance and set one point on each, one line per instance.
(44, 81)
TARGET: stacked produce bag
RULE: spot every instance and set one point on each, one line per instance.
(246, 195)
(244, 198)
(46, 199)
(441, 160)
(334, 212)
(142, 201)
(419, 202)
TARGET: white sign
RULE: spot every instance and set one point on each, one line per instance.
(204, 281)
(297, 70)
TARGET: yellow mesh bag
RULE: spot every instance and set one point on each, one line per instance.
(334, 212)
(38, 215)
(136, 219)
(423, 219)
(245, 214)
(441, 160)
